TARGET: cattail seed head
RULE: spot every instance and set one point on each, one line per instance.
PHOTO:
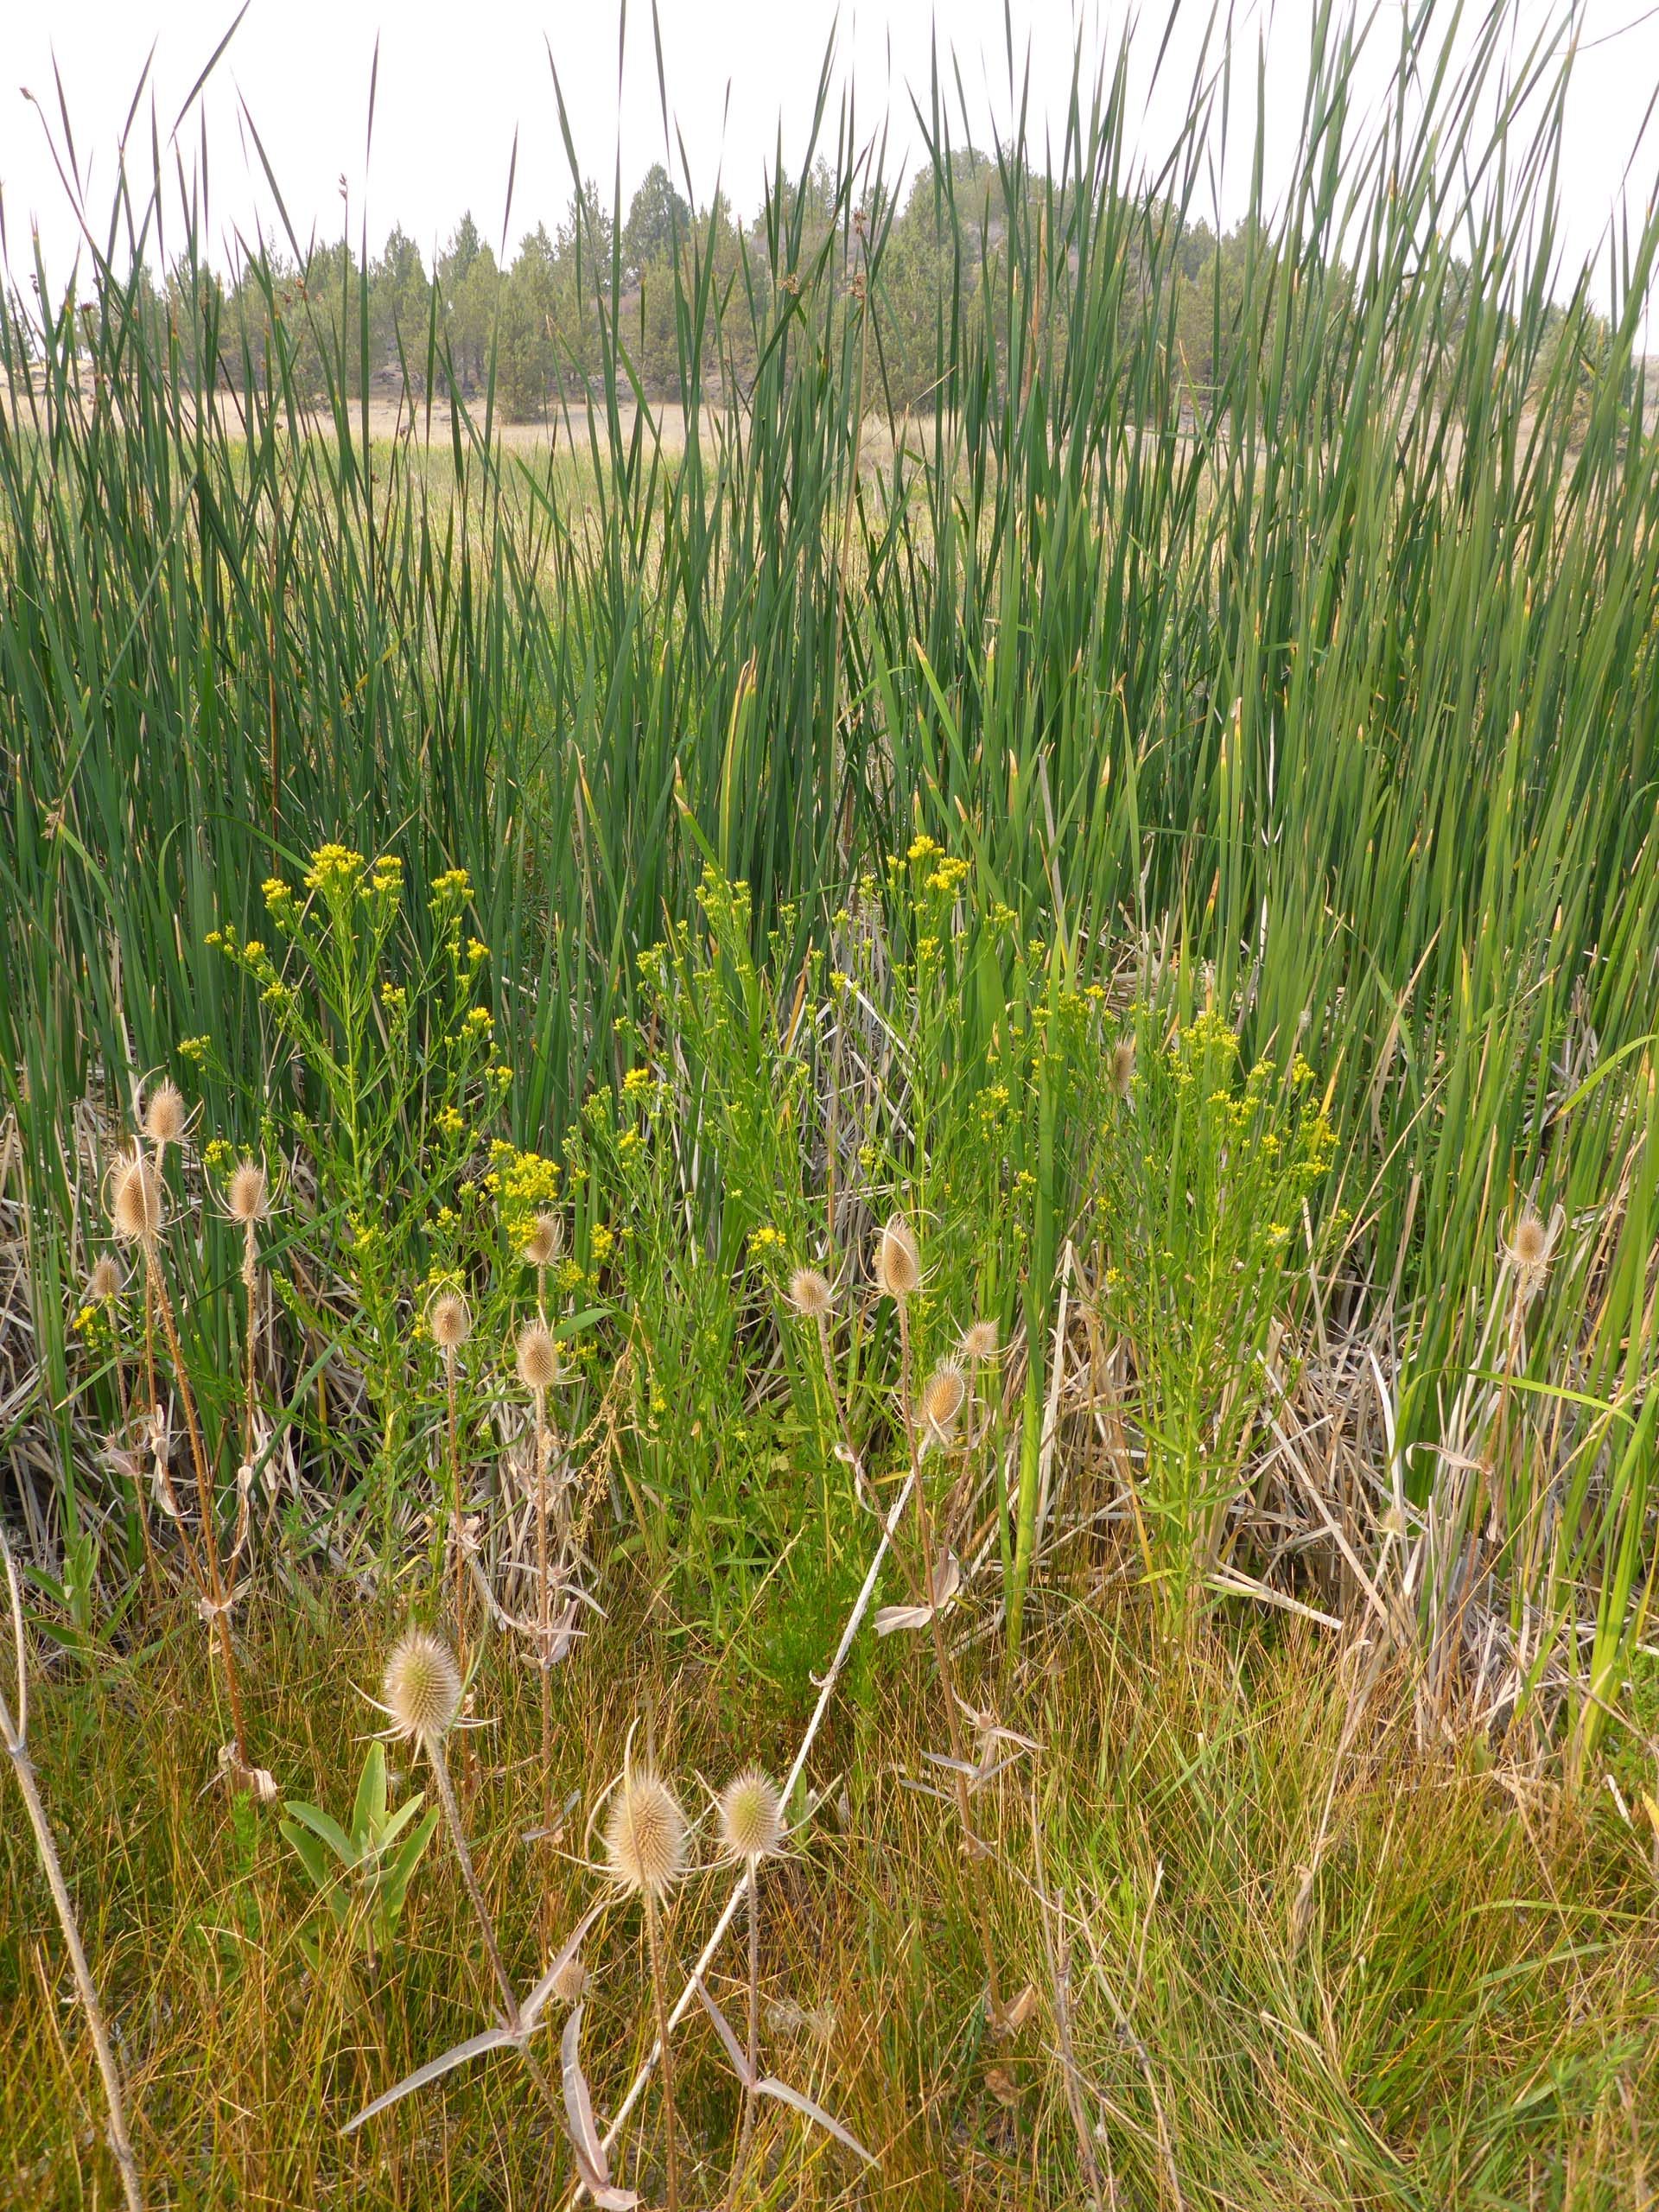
(1122, 1075)
(135, 1200)
(810, 1293)
(542, 1245)
(897, 1268)
(165, 1117)
(942, 1396)
(103, 1284)
(980, 1341)
(450, 1322)
(646, 1844)
(539, 1356)
(751, 1818)
(421, 1690)
(247, 1197)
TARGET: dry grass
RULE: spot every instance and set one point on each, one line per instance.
(1464, 2016)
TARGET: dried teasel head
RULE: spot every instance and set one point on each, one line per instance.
(135, 1200)
(1120, 1075)
(542, 1245)
(810, 1293)
(165, 1116)
(751, 1825)
(420, 1691)
(247, 1195)
(980, 1342)
(943, 1394)
(897, 1265)
(1531, 1246)
(537, 1356)
(449, 1320)
(103, 1284)
(647, 1846)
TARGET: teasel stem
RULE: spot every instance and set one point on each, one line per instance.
(205, 1501)
(746, 2130)
(544, 1603)
(947, 1679)
(15, 1732)
(653, 1946)
(457, 1542)
(438, 1761)
(250, 1284)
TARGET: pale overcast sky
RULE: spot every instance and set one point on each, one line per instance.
(455, 83)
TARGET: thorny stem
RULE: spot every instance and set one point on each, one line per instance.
(745, 2132)
(947, 1680)
(439, 1766)
(544, 1606)
(455, 1539)
(250, 1284)
(661, 2009)
(205, 1501)
(15, 1734)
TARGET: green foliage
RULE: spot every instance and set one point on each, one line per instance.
(1207, 1174)
(362, 1872)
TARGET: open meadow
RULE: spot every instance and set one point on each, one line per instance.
(829, 1222)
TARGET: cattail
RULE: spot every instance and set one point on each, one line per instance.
(897, 1268)
(980, 1343)
(136, 1201)
(1123, 1069)
(538, 1357)
(942, 1396)
(751, 1818)
(421, 1690)
(450, 1322)
(247, 1197)
(103, 1284)
(810, 1293)
(645, 1839)
(542, 1245)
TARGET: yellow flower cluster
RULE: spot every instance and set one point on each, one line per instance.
(522, 1185)
(334, 870)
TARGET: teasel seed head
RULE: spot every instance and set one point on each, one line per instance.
(570, 1982)
(165, 1116)
(247, 1195)
(646, 1844)
(421, 1690)
(103, 1284)
(980, 1342)
(810, 1293)
(751, 1818)
(897, 1268)
(1122, 1068)
(135, 1200)
(450, 1322)
(942, 1396)
(542, 1245)
(539, 1356)
(1531, 1246)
